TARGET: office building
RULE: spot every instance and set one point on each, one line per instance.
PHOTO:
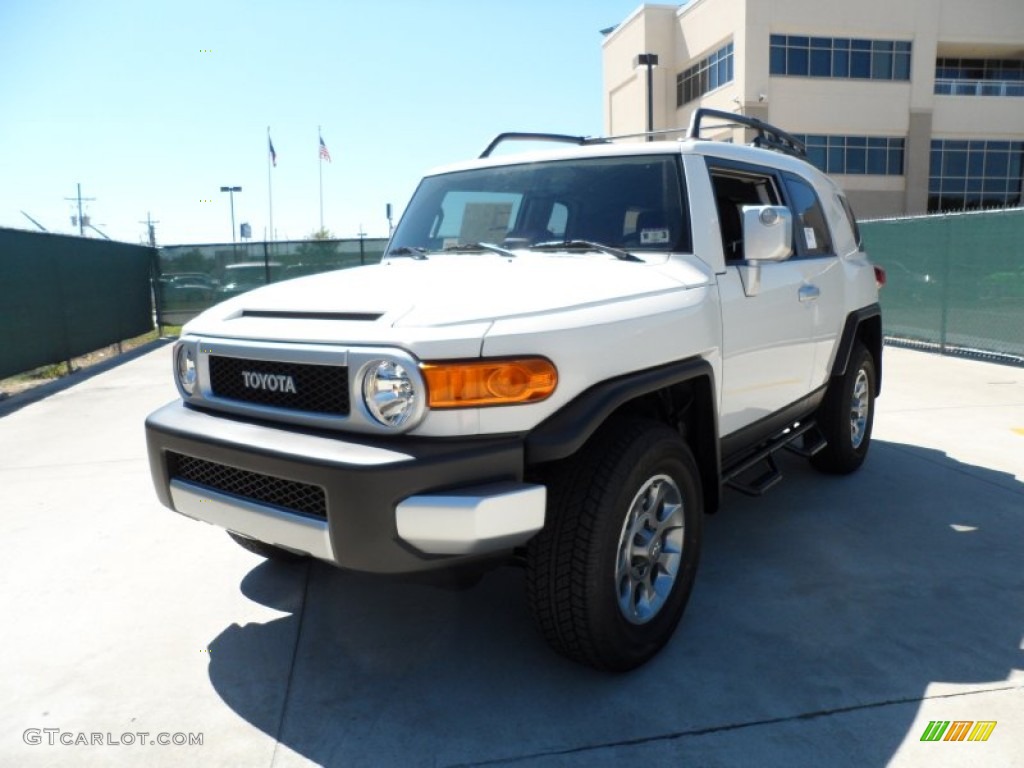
(912, 105)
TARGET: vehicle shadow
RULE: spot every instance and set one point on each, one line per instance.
(827, 598)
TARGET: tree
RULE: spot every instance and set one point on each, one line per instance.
(320, 248)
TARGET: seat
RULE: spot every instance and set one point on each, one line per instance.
(732, 228)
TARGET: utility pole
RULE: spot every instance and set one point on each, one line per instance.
(151, 230)
(79, 198)
(362, 252)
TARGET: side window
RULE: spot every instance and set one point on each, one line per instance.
(811, 230)
(734, 189)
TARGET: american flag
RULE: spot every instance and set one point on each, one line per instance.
(273, 154)
(324, 154)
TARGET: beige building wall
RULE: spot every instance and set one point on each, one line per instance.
(683, 34)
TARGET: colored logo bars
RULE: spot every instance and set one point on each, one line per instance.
(958, 730)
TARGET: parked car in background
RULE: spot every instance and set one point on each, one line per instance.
(246, 275)
(188, 288)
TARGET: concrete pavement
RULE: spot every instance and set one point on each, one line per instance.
(831, 621)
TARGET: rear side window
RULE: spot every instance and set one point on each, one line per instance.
(812, 234)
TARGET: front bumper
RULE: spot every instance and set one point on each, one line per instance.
(384, 506)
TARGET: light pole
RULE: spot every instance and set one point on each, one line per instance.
(231, 192)
(649, 60)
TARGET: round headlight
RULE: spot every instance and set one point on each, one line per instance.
(389, 393)
(185, 367)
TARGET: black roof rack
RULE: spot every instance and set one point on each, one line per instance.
(559, 137)
(768, 135)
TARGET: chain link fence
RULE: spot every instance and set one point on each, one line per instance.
(955, 282)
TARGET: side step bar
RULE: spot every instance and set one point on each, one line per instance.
(764, 456)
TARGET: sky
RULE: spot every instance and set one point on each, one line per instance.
(152, 106)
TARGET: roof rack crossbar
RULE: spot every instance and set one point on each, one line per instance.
(558, 137)
(659, 132)
(768, 135)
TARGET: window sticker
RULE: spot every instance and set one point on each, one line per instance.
(485, 222)
(653, 236)
(812, 241)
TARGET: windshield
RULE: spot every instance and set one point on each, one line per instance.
(633, 203)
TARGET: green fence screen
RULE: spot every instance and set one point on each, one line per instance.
(955, 282)
(194, 277)
(64, 296)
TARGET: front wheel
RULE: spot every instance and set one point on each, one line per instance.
(610, 574)
(847, 414)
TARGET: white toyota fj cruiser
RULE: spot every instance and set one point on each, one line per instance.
(560, 360)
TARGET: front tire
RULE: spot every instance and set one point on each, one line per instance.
(847, 415)
(610, 574)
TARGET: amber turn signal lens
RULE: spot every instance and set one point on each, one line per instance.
(489, 382)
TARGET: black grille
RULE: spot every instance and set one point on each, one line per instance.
(252, 486)
(317, 388)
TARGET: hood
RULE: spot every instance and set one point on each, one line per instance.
(384, 302)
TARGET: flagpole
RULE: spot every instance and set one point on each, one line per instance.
(270, 186)
(320, 160)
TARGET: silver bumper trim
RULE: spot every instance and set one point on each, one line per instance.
(176, 418)
(257, 521)
(472, 521)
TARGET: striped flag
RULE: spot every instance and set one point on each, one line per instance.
(273, 154)
(324, 154)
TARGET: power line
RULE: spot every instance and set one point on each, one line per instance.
(34, 222)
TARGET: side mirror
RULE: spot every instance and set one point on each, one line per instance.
(767, 233)
(767, 236)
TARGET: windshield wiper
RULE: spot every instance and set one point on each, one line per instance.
(411, 251)
(480, 247)
(584, 245)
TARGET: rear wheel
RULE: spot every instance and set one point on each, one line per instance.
(610, 574)
(847, 414)
(268, 551)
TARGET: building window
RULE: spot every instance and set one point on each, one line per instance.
(707, 74)
(855, 155)
(967, 175)
(979, 77)
(840, 57)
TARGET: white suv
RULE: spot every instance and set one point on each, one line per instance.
(561, 359)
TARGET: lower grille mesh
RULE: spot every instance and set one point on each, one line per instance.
(264, 489)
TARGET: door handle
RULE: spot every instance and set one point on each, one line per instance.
(808, 292)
